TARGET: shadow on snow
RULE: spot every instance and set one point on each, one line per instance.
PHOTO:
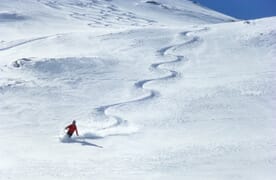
(80, 140)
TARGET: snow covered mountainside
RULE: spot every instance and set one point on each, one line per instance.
(162, 89)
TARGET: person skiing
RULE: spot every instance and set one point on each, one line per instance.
(71, 129)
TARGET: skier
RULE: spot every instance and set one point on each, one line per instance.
(71, 129)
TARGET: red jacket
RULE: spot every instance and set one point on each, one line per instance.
(72, 128)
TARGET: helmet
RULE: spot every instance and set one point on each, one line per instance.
(74, 122)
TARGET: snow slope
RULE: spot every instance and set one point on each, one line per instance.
(160, 90)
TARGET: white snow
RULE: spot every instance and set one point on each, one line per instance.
(161, 89)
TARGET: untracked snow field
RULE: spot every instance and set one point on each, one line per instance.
(162, 89)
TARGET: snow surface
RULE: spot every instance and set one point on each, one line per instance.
(160, 89)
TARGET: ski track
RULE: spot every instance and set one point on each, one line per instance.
(100, 15)
(13, 44)
(140, 85)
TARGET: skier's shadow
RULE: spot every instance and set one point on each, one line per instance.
(85, 143)
(82, 140)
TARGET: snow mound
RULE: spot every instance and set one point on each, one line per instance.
(69, 66)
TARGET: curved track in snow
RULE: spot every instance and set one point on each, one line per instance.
(102, 111)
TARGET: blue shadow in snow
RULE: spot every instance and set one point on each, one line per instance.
(80, 140)
(85, 143)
